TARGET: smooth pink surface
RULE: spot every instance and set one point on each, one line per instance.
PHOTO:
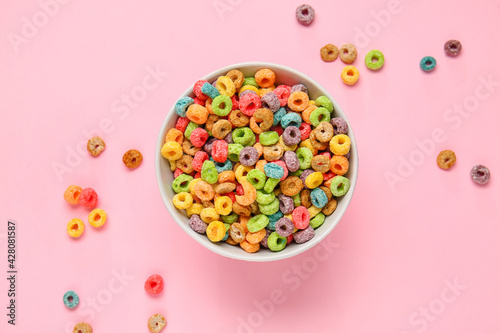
(395, 252)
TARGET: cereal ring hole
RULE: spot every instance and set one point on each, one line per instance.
(74, 227)
(375, 59)
(305, 11)
(97, 217)
(222, 105)
(428, 62)
(346, 51)
(341, 141)
(338, 167)
(480, 173)
(70, 299)
(153, 284)
(297, 101)
(350, 72)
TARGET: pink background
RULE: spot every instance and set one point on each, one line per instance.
(392, 258)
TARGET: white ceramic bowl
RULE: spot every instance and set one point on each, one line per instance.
(164, 176)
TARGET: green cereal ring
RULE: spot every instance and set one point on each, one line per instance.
(209, 172)
(71, 299)
(270, 184)
(233, 151)
(374, 60)
(325, 102)
(317, 221)
(269, 138)
(257, 178)
(340, 185)
(189, 129)
(252, 141)
(257, 223)
(305, 156)
(231, 218)
(427, 64)
(276, 242)
(271, 208)
(243, 136)
(296, 173)
(318, 115)
(222, 105)
(250, 81)
(265, 198)
(296, 200)
(181, 183)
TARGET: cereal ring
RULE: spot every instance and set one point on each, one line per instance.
(156, 323)
(71, 299)
(182, 200)
(314, 180)
(339, 126)
(189, 148)
(257, 178)
(248, 89)
(154, 284)
(270, 101)
(327, 191)
(204, 191)
(318, 198)
(261, 121)
(221, 128)
(305, 14)
(257, 223)
(305, 156)
(446, 159)
(350, 75)
(197, 224)
(298, 101)
(181, 183)
(273, 153)
(75, 228)
(96, 146)
(317, 221)
(324, 132)
(72, 194)
(265, 77)
(256, 237)
(88, 197)
(182, 105)
(82, 328)
(427, 64)
(220, 151)
(207, 204)
(270, 185)
(199, 137)
(305, 198)
(241, 209)
(208, 105)
(340, 144)
(300, 217)
(197, 114)
(317, 145)
(231, 218)
(225, 86)
(197, 89)
(374, 60)
(320, 163)
(278, 116)
(181, 124)
(223, 205)
(291, 119)
(174, 134)
(305, 131)
(265, 198)
(241, 173)
(480, 174)
(304, 235)
(243, 136)
(133, 158)
(292, 161)
(209, 214)
(273, 170)
(329, 52)
(171, 150)
(238, 118)
(189, 129)
(282, 92)
(97, 218)
(284, 227)
(286, 204)
(185, 163)
(249, 103)
(197, 162)
(339, 186)
(323, 101)
(216, 231)
(250, 248)
(291, 135)
(291, 186)
(268, 138)
(339, 165)
(248, 156)
(222, 105)
(329, 207)
(249, 196)
(348, 53)
(237, 77)
(452, 48)
(237, 232)
(209, 172)
(209, 90)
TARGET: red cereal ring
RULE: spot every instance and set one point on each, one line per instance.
(177, 173)
(277, 129)
(198, 137)
(283, 92)
(88, 197)
(239, 190)
(300, 217)
(198, 101)
(236, 103)
(198, 160)
(154, 284)
(305, 131)
(197, 89)
(182, 123)
(249, 103)
(220, 151)
(231, 195)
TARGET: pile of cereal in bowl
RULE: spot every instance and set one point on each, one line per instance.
(257, 163)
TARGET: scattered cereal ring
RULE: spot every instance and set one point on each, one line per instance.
(348, 53)
(156, 323)
(427, 64)
(452, 48)
(82, 328)
(71, 299)
(97, 218)
(446, 159)
(329, 52)
(350, 75)
(75, 228)
(132, 158)
(305, 14)
(154, 284)
(96, 146)
(88, 197)
(72, 194)
(374, 60)
(480, 174)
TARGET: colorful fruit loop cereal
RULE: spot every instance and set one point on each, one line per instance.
(75, 228)
(156, 323)
(452, 48)
(427, 64)
(350, 75)
(82, 328)
(132, 158)
(480, 174)
(348, 53)
(88, 197)
(329, 52)
(305, 14)
(264, 167)
(72, 194)
(97, 218)
(374, 59)
(154, 284)
(71, 299)
(446, 159)
(96, 146)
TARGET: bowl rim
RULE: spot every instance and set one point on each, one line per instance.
(250, 256)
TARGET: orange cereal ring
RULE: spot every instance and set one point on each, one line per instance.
(231, 241)
(265, 78)
(327, 191)
(250, 248)
(96, 146)
(197, 114)
(259, 148)
(237, 77)
(221, 129)
(241, 210)
(185, 163)
(72, 194)
(133, 158)
(226, 176)
(211, 120)
(174, 134)
(260, 165)
(306, 114)
(261, 121)
(298, 101)
(339, 165)
(249, 195)
(238, 118)
(255, 237)
(189, 149)
(243, 220)
(305, 198)
(82, 328)
(291, 186)
(208, 106)
(204, 191)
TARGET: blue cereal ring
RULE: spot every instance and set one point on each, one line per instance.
(273, 170)
(71, 299)
(209, 90)
(226, 166)
(318, 198)
(182, 105)
(275, 217)
(427, 64)
(278, 116)
(291, 119)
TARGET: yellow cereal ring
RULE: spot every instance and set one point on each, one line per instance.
(75, 228)
(307, 143)
(173, 165)
(314, 180)
(242, 172)
(313, 211)
(97, 217)
(197, 114)
(224, 205)
(340, 144)
(248, 87)
(194, 209)
(209, 215)
(171, 150)
(182, 200)
(350, 75)
(72, 194)
(174, 134)
(225, 86)
(285, 147)
(216, 231)
(312, 102)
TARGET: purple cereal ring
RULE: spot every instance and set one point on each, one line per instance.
(270, 101)
(285, 227)
(304, 14)
(291, 136)
(291, 160)
(298, 87)
(480, 174)
(229, 138)
(263, 242)
(197, 224)
(249, 156)
(303, 235)
(286, 204)
(339, 126)
(208, 145)
(304, 175)
(248, 91)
